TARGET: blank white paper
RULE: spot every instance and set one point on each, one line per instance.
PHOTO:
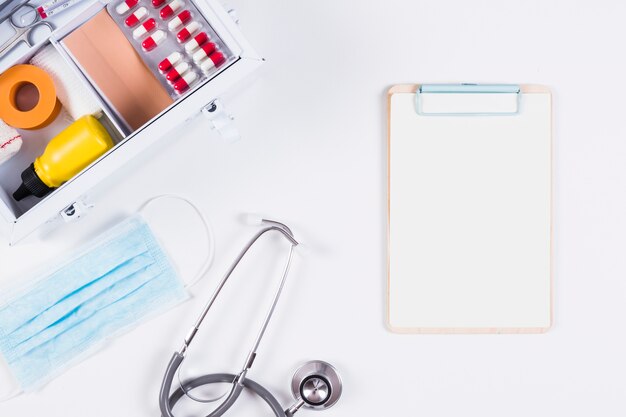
(470, 219)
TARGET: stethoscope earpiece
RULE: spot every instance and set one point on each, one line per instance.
(253, 219)
(315, 385)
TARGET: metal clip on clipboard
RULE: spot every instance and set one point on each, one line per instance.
(468, 99)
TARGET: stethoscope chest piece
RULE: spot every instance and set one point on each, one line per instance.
(316, 384)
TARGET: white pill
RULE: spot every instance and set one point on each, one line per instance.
(213, 61)
(187, 31)
(153, 41)
(170, 9)
(197, 40)
(145, 27)
(177, 71)
(183, 83)
(171, 60)
(182, 18)
(207, 65)
(134, 19)
(204, 52)
(125, 6)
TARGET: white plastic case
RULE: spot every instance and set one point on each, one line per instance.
(67, 201)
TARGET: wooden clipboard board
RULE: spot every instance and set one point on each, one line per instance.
(469, 209)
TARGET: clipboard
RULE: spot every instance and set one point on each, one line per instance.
(469, 209)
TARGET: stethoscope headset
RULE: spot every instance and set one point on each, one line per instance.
(315, 385)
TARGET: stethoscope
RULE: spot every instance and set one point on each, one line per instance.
(315, 385)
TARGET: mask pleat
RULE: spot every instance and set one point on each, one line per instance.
(121, 279)
(86, 310)
(62, 309)
(70, 279)
(153, 295)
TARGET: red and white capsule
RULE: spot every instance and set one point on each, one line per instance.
(171, 60)
(205, 51)
(198, 40)
(125, 6)
(153, 41)
(146, 27)
(171, 8)
(187, 31)
(136, 17)
(157, 3)
(213, 61)
(176, 72)
(182, 18)
(182, 84)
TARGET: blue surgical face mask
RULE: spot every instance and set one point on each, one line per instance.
(115, 283)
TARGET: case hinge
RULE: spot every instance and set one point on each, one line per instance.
(75, 211)
(233, 15)
(221, 121)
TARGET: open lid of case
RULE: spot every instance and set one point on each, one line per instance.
(21, 219)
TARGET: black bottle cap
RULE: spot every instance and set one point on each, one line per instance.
(31, 184)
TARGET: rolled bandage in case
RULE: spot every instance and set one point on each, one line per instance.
(66, 155)
(70, 90)
(10, 142)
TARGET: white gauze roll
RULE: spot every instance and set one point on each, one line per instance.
(72, 94)
(10, 142)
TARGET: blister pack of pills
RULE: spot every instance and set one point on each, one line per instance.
(174, 40)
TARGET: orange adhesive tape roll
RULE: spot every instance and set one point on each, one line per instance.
(46, 109)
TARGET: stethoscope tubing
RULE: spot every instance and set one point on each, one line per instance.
(239, 382)
(167, 401)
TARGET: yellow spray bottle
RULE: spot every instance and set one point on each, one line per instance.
(66, 155)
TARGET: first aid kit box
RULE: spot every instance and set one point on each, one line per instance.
(82, 96)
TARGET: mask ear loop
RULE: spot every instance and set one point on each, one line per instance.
(206, 265)
(11, 394)
(10, 386)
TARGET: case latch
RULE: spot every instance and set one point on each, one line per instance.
(75, 211)
(221, 121)
(231, 11)
(234, 15)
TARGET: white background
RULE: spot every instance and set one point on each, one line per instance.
(313, 155)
